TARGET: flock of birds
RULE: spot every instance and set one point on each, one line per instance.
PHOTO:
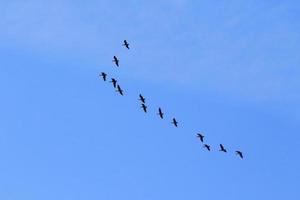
(160, 112)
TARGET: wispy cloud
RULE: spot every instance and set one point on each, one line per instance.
(243, 50)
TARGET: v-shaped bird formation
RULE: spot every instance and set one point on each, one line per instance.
(160, 113)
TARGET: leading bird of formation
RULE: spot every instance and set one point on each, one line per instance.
(160, 112)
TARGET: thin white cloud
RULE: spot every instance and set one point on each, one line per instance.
(230, 50)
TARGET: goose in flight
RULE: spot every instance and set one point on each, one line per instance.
(144, 107)
(119, 90)
(142, 99)
(222, 148)
(126, 44)
(206, 146)
(160, 113)
(116, 61)
(239, 153)
(200, 136)
(114, 82)
(103, 75)
(174, 122)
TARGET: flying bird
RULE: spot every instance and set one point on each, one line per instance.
(206, 146)
(174, 122)
(119, 90)
(160, 113)
(144, 107)
(115, 60)
(222, 148)
(114, 82)
(239, 154)
(142, 99)
(103, 75)
(126, 44)
(200, 136)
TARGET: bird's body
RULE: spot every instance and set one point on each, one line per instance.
(160, 113)
(142, 99)
(222, 148)
(126, 44)
(200, 136)
(119, 90)
(144, 107)
(174, 122)
(239, 153)
(206, 146)
(116, 61)
(103, 75)
(114, 82)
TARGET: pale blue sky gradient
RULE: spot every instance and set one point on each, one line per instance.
(227, 68)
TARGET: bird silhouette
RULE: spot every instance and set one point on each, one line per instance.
(174, 122)
(206, 146)
(222, 148)
(239, 153)
(126, 44)
(114, 82)
(144, 107)
(103, 75)
(119, 90)
(142, 99)
(200, 136)
(160, 113)
(116, 61)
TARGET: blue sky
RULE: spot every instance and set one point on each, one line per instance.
(227, 68)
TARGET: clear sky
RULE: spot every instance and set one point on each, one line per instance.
(229, 68)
